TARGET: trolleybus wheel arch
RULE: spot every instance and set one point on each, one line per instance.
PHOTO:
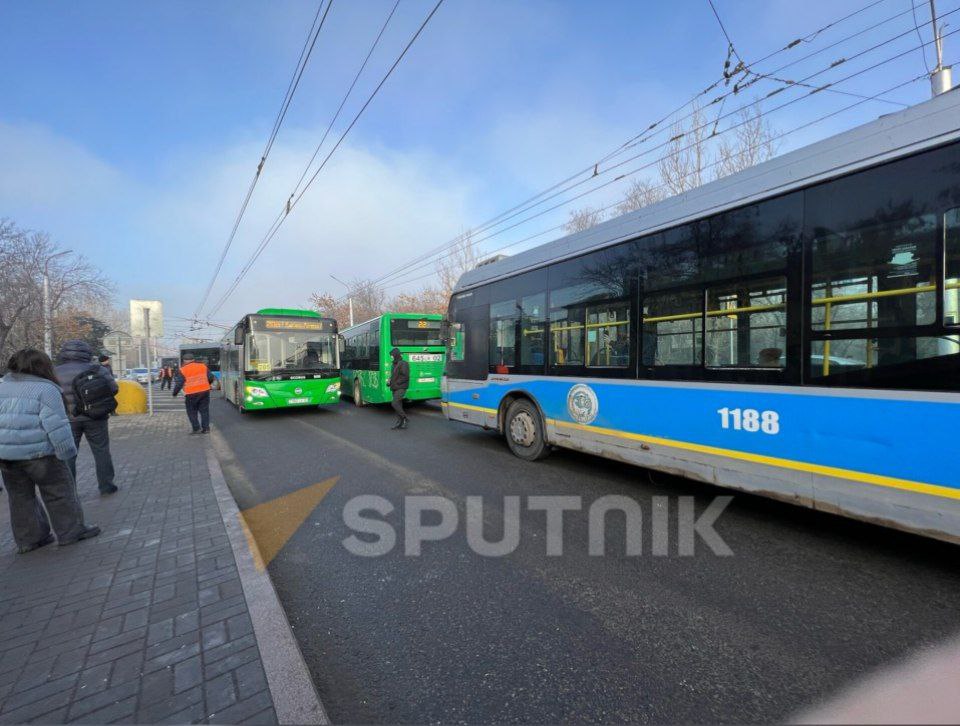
(358, 394)
(524, 431)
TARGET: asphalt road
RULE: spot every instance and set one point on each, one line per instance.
(807, 603)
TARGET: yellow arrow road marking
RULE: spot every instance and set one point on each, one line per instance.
(270, 525)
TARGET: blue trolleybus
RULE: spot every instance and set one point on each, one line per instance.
(792, 330)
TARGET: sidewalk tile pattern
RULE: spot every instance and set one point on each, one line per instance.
(146, 623)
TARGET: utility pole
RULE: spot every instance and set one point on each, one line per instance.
(146, 329)
(349, 299)
(941, 78)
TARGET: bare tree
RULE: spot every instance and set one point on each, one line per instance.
(581, 219)
(685, 163)
(368, 302)
(427, 300)
(642, 193)
(74, 285)
(463, 256)
(753, 141)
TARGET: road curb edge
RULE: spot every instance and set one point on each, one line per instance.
(291, 687)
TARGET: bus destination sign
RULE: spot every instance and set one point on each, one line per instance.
(325, 326)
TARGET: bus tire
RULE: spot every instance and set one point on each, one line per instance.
(524, 430)
(358, 394)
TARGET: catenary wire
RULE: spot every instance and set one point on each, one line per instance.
(646, 135)
(620, 164)
(291, 204)
(305, 53)
(560, 227)
(649, 164)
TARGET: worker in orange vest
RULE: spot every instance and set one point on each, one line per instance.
(195, 379)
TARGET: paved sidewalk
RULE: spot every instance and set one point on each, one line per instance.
(148, 622)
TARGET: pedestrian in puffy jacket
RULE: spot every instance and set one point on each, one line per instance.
(35, 444)
(75, 357)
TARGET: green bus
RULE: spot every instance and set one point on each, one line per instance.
(365, 360)
(280, 358)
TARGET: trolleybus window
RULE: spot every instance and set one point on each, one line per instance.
(951, 287)
(875, 276)
(608, 335)
(405, 331)
(503, 333)
(533, 322)
(672, 328)
(747, 324)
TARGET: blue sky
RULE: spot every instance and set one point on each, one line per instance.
(130, 130)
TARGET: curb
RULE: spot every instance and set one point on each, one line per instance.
(295, 698)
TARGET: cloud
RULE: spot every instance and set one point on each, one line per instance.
(370, 210)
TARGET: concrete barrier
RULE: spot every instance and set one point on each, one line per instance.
(131, 398)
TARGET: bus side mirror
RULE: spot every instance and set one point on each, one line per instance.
(238, 336)
(445, 331)
(341, 344)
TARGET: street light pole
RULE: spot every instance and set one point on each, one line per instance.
(349, 298)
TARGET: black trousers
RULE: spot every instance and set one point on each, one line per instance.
(98, 436)
(397, 403)
(165, 383)
(198, 410)
(28, 519)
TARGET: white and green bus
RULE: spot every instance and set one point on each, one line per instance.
(280, 358)
(366, 363)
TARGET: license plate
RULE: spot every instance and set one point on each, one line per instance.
(425, 357)
(426, 380)
(291, 401)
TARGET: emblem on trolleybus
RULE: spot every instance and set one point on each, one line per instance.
(582, 403)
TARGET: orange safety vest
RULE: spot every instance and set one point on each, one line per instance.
(195, 378)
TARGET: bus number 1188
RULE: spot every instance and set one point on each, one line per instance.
(749, 419)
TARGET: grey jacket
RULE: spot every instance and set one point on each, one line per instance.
(33, 422)
(75, 357)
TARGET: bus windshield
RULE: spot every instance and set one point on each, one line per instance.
(292, 350)
(415, 332)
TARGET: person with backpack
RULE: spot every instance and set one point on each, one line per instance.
(195, 380)
(89, 391)
(35, 444)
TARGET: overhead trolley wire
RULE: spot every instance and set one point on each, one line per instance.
(658, 127)
(305, 53)
(655, 161)
(343, 102)
(292, 202)
(713, 164)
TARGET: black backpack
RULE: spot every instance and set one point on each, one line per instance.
(94, 399)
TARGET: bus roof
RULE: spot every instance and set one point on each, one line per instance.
(288, 312)
(420, 316)
(199, 346)
(926, 125)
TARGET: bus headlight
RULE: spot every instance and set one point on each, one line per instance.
(257, 392)
(333, 387)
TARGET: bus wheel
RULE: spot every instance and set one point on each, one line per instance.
(358, 394)
(524, 431)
